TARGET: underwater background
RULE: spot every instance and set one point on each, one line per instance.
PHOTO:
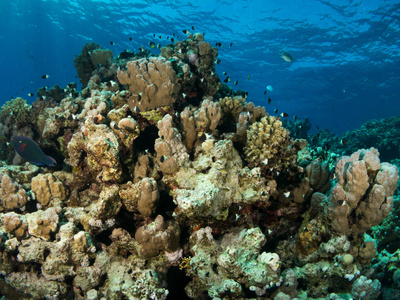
(199, 150)
(346, 53)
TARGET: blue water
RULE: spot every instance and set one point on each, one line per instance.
(346, 53)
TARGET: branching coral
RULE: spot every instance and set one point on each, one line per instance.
(266, 142)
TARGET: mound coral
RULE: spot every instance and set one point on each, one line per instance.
(152, 82)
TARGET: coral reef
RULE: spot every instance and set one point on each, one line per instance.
(158, 236)
(152, 82)
(12, 195)
(91, 58)
(232, 263)
(99, 147)
(364, 186)
(265, 140)
(170, 184)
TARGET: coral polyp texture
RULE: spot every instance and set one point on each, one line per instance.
(163, 172)
(152, 82)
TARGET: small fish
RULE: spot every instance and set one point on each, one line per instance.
(30, 151)
(287, 194)
(130, 39)
(111, 43)
(218, 44)
(344, 141)
(269, 100)
(224, 171)
(270, 88)
(295, 118)
(284, 115)
(30, 94)
(154, 35)
(248, 78)
(265, 92)
(230, 45)
(172, 40)
(169, 213)
(227, 79)
(217, 61)
(185, 31)
(236, 82)
(160, 36)
(152, 46)
(234, 218)
(158, 46)
(45, 76)
(275, 110)
(193, 28)
(285, 56)
(202, 138)
(225, 73)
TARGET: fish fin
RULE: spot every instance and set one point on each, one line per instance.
(37, 163)
(51, 162)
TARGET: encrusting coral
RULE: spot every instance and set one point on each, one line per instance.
(99, 147)
(231, 262)
(163, 171)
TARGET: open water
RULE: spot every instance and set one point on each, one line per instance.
(346, 55)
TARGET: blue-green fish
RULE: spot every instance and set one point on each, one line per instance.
(30, 151)
(285, 56)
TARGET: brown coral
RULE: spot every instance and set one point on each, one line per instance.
(152, 82)
(12, 195)
(365, 186)
(266, 140)
(142, 196)
(158, 236)
(48, 190)
(94, 150)
(171, 152)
